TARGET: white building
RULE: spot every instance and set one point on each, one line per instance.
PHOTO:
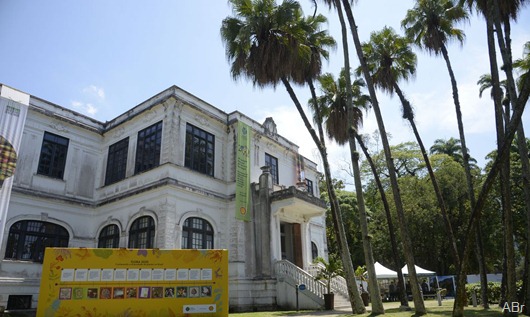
(162, 175)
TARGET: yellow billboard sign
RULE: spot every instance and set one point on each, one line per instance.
(133, 282)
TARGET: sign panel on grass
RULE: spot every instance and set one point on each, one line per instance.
(133, 282)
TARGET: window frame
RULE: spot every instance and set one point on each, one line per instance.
(272, 162)
(148, 148)
(20, 231)
(105, 237)
(117, 161)
(195, 158)
(135, 234)
(309, 185)
(205, 230)
(58, 147)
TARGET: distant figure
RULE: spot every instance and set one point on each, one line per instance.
(424, 287)
(392, 291)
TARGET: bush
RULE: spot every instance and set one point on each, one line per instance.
(494, 292)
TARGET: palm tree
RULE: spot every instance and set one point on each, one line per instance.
(431, 25)
(452, 148)
(268, 44)
(419, 305)
(407, 244)
(335, 102)
(390, 59)
(486, 82)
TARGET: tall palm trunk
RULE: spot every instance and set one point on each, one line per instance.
(469, 180)
(353, 291)
(511, 290)
(523, 154)
(460, 299)
(408, 114)
(373, 286)
(391, 230)
(419, 305)
(488, 183)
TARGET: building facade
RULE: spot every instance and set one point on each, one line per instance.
(162, 175)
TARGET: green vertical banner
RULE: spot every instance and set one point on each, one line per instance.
(243, 172)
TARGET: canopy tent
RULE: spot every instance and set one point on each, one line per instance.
(419, 271)
(384, 272)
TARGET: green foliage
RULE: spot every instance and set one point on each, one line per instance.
(494, 292)
(331, 269)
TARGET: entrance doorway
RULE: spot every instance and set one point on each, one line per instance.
(291, 243)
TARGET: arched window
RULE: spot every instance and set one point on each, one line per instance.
(314, 250)
(28, 238)
(109, 237)
(142, 233)
(197, 233)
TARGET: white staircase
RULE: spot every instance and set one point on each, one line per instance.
(315, 290)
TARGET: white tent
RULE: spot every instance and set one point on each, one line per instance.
(419, 271)
(384, 272)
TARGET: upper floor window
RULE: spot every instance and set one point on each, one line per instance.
(200, 148)
(117, 161)
(273, 163)
(309, 185)
(53, 155)
(28, 238)
(197, 233)
(148, 148)
(142, 233)
(109, 237)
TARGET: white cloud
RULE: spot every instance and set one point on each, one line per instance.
(94, 92)
(84, 108)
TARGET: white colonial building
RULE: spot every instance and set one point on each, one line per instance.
(161, 175)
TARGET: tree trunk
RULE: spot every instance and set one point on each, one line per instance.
(469, 180)
(391, 230)
(419, 305)
(373, 286)
(353, 291)
(408, 114)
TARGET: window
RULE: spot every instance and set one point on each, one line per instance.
(273, 163)
(109, 237)
(28, 238)
(142, 233)
(200, 146)
(309, 185)
(117, 161)
(148, 148)
(53, 155)
(314, 250)
(197, 233)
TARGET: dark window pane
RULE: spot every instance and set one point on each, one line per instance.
(197, 233)
(27, 239)
(273, 163)
(147, 151)
(142, 233)
(117, 161)
(53, 155)
(200, 149)
(109, 237)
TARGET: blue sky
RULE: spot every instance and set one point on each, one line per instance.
(103, 57)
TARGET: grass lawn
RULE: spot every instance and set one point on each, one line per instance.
(391, 309)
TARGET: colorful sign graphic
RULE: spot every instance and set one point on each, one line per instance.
(243, 172)
(133, 282)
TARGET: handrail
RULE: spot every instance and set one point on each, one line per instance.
(286, 269)
(338, 284)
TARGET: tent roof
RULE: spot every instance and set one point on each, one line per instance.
(419, 271)
(384, 272)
